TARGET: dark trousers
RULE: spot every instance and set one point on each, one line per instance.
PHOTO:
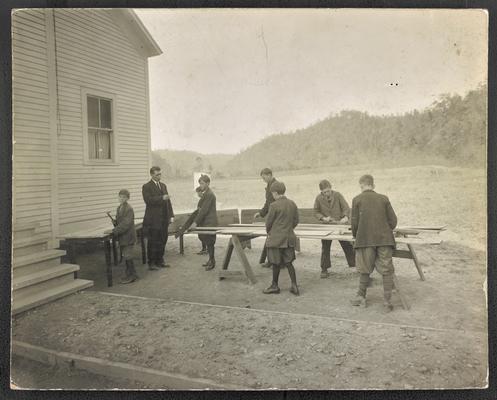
(348, 250)
(156, 244)
(209, 241)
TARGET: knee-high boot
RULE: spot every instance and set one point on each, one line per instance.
(293, 277)
(212, 261)
(274, 285)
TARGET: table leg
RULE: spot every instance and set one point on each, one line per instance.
(416, 262)
(181, 245)
(115, 252)
(108, 261)
(243, 258)
(144, 248)
(227, 256)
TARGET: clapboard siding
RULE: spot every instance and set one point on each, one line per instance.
(32, 161)
(94, 54)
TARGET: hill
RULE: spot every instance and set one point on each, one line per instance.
(451, 131)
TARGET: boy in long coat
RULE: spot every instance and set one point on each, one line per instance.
(207, 216)
(158, 215)
(281, 220)
(373, 221)
(331, 207)
(126, 234)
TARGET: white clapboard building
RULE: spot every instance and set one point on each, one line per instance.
(81, 132)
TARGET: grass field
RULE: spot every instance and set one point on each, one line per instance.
(435, 195)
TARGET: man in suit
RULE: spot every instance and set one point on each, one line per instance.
(281, 221)
(158, 215)
(330, 207)
(207, 216)
(373, 221)
(267, 176)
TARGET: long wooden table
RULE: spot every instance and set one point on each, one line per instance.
(239, 233)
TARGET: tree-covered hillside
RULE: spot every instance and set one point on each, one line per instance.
(452, 130)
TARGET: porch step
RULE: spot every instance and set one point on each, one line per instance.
(38, 257)
(37, 299)
(43, 275)
(29, 245)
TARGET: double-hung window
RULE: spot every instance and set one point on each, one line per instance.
(99, 129)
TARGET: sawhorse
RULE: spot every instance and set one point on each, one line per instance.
(235, 243)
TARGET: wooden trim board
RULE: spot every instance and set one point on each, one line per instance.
(114, 369)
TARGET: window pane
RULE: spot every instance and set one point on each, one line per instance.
(104, 145)
(92, 143)
(92, 106)
(105, 114)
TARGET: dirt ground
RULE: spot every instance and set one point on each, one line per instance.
(185, 320)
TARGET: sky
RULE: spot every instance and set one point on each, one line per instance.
(227, 78)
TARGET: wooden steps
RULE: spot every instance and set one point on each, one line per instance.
(37, 299)
(38, 276)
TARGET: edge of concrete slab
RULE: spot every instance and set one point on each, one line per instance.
(114, 369)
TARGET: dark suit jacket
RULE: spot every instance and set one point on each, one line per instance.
(281, 219)
(373, 220)
(125, 228)
(269, 198)
(207, 214)
(336, 208)
(157, 211)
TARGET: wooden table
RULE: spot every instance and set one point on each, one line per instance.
(242, 232)
(99, 234)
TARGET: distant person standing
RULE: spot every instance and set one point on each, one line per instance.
(267, 177)
(158, 215)
(373, 221)
(207, 216)
(330, 207)
(281, 221)
(204, 247)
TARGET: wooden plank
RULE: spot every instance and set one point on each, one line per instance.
(402, 254)
(416, 262)
(114, 369)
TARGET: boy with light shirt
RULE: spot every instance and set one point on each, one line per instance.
(330, 207)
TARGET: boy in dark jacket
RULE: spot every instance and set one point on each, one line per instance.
(269, 179)
(281, 220)
(330, 207)
(373, 221)
(199, 192)
(126, 235)
(207, 216)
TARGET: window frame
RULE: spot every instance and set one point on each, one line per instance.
(85, 93)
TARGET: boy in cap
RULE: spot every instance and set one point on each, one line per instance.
(281, 220)
(373, 221)
(126, 235)
(207, 216)
(330, 207)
